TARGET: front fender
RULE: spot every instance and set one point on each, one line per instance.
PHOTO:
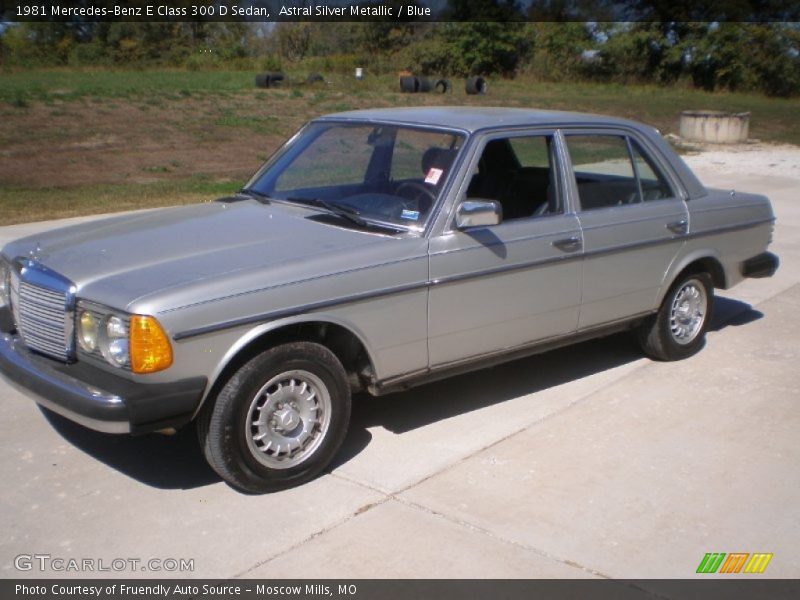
(248, 336)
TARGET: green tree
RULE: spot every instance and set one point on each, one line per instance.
(775, 50)
(471, 48)
(294, 39)
(557, 49)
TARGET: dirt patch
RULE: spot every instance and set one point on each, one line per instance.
(111, 140)
(74, 144)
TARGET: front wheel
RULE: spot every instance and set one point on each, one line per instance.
(279, 420)
(679, 327)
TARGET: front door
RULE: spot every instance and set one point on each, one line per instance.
(506, 286)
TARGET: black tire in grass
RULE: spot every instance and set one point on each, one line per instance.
(425, 85)
(476, 85)
(442, 86)
(409, 84)
(266, 80)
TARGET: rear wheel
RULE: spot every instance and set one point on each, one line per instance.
(678, 329)
(279, 420)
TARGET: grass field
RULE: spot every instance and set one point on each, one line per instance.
(81, 142)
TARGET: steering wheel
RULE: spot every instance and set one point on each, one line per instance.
(376, 203)
(419, 189)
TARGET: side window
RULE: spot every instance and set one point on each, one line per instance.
(603, 170)
(519, 173)
(654, 184)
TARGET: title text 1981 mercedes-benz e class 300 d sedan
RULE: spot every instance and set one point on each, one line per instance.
(375, 250)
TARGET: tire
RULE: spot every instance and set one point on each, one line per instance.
(425, 85)
(678, 329)
(315, 78)
(265, 80)
(442, 86)
(299, 394)
(409, 84)
(476, 85)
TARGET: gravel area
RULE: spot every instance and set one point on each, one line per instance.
(747, 159)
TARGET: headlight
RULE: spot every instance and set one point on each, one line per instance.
(114, 342)
(136, 342)
(87, 331)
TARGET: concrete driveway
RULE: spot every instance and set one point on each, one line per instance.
(586, 462)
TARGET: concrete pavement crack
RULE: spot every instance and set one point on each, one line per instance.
(490, 534)
(359, 511)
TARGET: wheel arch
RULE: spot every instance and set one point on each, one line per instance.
(695, 262)
(343, 339)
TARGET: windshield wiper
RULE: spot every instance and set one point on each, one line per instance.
(253, 193)
(340, 210)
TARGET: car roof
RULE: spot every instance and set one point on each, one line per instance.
(473, 119)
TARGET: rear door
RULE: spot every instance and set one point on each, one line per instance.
(633, 218)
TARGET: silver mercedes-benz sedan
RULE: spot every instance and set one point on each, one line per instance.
(376, 250)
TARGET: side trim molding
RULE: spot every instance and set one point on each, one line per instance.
(445, 370)
(298, 310)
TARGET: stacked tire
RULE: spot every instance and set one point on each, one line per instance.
(268, 80)
(411, 84)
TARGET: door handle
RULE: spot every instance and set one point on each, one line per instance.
(680, 227)
(570, 244)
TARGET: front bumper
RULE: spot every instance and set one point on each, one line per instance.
(109, 403)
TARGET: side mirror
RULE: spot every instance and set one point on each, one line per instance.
(478, 213)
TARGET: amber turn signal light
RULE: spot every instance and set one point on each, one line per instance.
(149, 345)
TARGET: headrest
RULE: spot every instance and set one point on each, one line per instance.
(439, 158)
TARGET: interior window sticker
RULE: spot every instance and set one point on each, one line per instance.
(410, 214)
(433, 175)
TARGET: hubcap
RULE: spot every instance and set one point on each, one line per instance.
(688, 312)
(288, 419)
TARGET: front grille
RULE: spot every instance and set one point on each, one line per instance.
(42, 320)
(39, 304)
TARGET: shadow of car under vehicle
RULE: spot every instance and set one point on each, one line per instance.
(161, 461)
(177, 462)
(729, 312)
(427, 404)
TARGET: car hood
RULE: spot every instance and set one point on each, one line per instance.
(121, 259)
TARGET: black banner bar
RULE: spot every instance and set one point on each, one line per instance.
(163, 11)
(387, 589)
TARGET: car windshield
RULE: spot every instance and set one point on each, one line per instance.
(366, 173)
